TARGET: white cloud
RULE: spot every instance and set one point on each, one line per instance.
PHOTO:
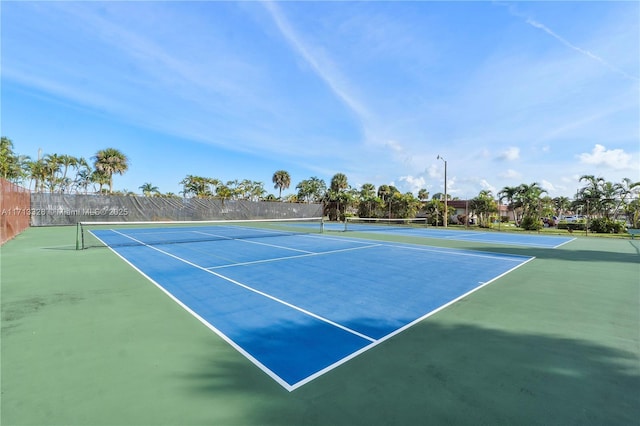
(510, 154)
(394, 146)
(510, 174)
(548, 186)
(487, 186)
(411, 184)
(600, 156)
(435, 171)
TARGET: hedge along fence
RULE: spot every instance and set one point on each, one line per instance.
(68, 209)
(15, 210)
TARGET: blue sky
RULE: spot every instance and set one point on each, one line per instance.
(506, 92)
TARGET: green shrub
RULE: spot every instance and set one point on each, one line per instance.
(531, 223)
(572, 226)
(603, 225)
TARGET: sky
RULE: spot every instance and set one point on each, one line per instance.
(504, 92)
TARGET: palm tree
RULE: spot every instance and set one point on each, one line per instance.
(509, 193)
(7, 157)
(52, 165)
(423, 195)
(337, 197)
(593, 188)
(237, 188)
(83, 174)
(339, 182)
(37, 174)
(99, 178)
(312, 189)
(13, 167)
(148, 189)
(111, 161)
(483, 205)
(67, 161)
(281, 180)
(383, 192)
(199, 186)
(597, 197)
(83, 179)
(626, 189)
(223, 192)
(212, 185)
(528, 197)
(561, 205)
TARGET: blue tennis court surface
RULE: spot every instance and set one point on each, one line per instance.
(300, 305)
(526, 240)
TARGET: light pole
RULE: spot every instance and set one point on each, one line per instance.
(445, 190)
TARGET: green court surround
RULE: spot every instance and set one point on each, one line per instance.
(86, 340)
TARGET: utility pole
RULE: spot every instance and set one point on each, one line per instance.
(446, 200)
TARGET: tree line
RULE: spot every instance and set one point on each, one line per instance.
(602, 200)
(603, 203)
(61, 172)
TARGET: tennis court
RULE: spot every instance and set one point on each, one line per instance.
(333, 328)
(298, 305)
(420, 230)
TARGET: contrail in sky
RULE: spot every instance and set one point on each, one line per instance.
(321, 68)
(540, 26)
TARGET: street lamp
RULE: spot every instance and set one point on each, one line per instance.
(445, 190)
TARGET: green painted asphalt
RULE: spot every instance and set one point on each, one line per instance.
(86, 340)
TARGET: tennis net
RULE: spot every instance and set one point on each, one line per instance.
(114, 234)
(364, 224)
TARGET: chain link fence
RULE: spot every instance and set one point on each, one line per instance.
(68, 209)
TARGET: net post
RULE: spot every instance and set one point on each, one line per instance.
(82, 246)
(78, 236)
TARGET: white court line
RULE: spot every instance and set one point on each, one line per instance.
(403, 328)
(308, 379)
(297, 308)
(478, 237)
(206, 323)
(482, 254)
(251, 242)
(566, 242)
(309, 254)
(439, 250)
(453, 236)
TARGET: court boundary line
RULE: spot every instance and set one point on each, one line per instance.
(238, 283)
(467, 237)
(416, 232)
(566, 242)
(251, 358)
(429, 248)
(246, 287)
(462, 252)
(405, 327)
(373, 342)
(206, 323)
